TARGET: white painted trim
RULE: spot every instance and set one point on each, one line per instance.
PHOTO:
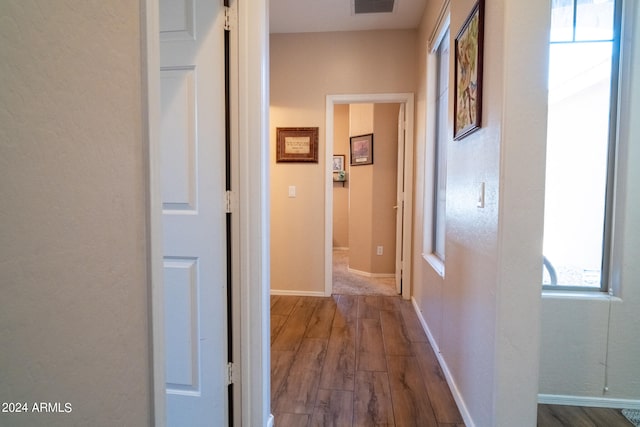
(579, 295)
(253, 133)
(253, 115)
(457, 396)
(150, 46)
(399, 98)
(297, 293)
(442, 24)
(435, 263)
(368, 274)
(594, 402)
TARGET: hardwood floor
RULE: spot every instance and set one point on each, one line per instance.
(354, 361)
(576, 416)
(365, 361)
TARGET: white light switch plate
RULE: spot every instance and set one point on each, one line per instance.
(292, 191)
(480, 202)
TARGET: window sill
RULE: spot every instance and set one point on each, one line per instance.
(435, 262)
(579, 295)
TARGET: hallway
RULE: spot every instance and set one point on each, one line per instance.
(354, 360)
(346, 282)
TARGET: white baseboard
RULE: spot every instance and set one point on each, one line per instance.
(466, 416)
(549, 399)
(270, 421)
(297, 293)
(594, 402)
(373, 275)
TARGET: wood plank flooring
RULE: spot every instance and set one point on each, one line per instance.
(577, 416)
(354, 360)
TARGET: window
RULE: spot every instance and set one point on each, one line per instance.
(436, 153)
(440, 155)
(583, 66)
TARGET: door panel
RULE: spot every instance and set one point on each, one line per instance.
(194, 227)
(181, 283)
(178, 130)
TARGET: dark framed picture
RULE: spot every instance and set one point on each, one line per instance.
(338, 162)
(297, 145)
(361, 149)
(467, 107)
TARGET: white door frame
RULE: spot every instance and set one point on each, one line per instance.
(253, 198)
(379, 98)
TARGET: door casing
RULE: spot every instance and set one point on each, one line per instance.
(251, 105)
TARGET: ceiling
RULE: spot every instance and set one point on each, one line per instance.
(303, 16)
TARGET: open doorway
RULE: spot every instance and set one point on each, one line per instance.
(403, 192)
(365, 198)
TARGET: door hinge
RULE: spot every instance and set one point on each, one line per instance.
(228, 201)
(230, 374)
(227, 18)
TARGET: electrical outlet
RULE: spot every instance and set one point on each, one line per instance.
(379, 250)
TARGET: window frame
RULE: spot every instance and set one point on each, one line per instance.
(612, 148)
(439, 155)
(441, 35)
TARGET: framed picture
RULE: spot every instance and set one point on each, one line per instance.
(338, 162)
(467, 107)
(297, 145)
(361, 149)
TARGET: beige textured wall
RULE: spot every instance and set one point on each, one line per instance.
(74, 306)
(361, 195)
(304, 69)
(341, 190)
(483, 314)
(385, 177)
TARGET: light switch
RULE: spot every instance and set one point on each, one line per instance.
(292, 191)
(480, 202)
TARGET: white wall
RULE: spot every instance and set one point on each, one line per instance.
(592, 343)
(483, 315)
(74, 305)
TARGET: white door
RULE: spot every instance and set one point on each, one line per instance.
(400, 198)
(194, 223)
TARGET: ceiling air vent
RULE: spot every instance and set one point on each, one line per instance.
(373, 6)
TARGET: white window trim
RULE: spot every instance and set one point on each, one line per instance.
(436, 39)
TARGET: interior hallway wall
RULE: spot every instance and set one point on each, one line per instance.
(305, 68)
(341, 189)
(361, 195)
(74, 305)
(385, 178)
(483, 313)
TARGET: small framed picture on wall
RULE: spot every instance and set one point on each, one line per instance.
(338, 162)
(361, 149)
(297, 145)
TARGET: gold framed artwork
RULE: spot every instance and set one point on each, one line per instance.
(467, 107)
(297, 144)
